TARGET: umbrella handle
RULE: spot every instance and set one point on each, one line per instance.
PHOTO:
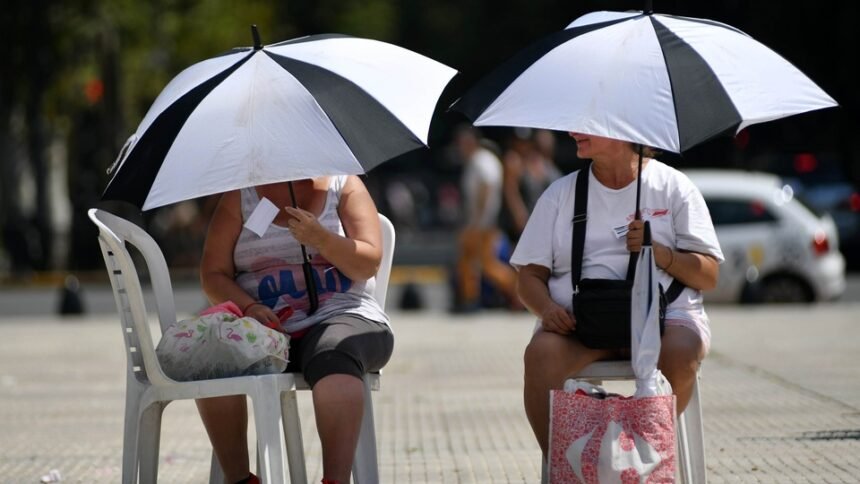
(637, 215)
(631, 265)
(256, 35)
(310, 286)
(310, 282)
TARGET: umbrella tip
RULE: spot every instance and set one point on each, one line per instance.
(646, 237)
(649, 7)
(257, 44)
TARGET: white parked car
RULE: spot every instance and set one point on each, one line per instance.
(776, 249)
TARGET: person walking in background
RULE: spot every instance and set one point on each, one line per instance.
(529, 170)
(482, 196)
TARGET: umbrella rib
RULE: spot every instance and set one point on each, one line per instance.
(310, 38)
(706, 22)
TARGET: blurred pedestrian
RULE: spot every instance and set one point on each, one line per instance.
(528, 171)
(479, 238)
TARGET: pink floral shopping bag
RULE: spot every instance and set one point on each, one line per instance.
(611, 440)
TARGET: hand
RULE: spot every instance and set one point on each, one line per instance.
(635, 235)
(264, 315)
(305, 227)
(556, 319)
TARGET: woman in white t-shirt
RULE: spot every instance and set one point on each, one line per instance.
(685, 248)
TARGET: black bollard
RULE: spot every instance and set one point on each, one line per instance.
(410, 298)
(70, 297)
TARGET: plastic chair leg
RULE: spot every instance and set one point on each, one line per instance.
(695, 438)
(295, 451)
(270, 441)
(683, 449)
(691, 442)
(149, 442)
(365, 467)
(131, 434)
(216, 474)
(293, 434)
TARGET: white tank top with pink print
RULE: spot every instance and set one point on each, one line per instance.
(269, 268)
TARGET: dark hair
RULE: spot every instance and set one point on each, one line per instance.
(466, 129)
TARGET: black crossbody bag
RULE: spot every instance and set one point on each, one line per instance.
(602, 306)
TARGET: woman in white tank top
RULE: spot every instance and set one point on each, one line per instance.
(348, 334)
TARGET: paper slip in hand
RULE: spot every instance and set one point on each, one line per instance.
(620, 231)
(262, 217)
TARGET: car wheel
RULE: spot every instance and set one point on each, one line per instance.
(785, 289)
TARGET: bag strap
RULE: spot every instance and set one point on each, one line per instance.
(580, 217)
(674, 290)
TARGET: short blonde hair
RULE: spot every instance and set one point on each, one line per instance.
(647, 151)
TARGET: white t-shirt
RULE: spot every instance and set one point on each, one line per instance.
(483, 169)
(671, 203)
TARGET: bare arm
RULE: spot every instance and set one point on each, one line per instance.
(357, 255)
(513, 197)
(699, 271)
(217, 271)
(534, 293)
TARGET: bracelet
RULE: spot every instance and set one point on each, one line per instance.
(671, 261)
(245, 309)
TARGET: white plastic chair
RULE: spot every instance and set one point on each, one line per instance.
(149, 390)
(690, 432)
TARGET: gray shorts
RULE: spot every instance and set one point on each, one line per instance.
(345, 344)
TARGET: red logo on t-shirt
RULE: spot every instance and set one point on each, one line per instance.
(650, 213)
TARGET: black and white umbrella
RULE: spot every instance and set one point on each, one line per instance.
(660, 80)
(312, 106)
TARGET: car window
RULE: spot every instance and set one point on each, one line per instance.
(733, 211)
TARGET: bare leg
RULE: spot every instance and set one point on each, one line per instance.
(468, 274)
(680, 355)
(226, 422)
(339, 407)
(549, 360)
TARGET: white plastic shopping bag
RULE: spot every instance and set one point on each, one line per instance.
(221, 345)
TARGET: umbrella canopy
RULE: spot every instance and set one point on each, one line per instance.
(312, 106)
(660, 80)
